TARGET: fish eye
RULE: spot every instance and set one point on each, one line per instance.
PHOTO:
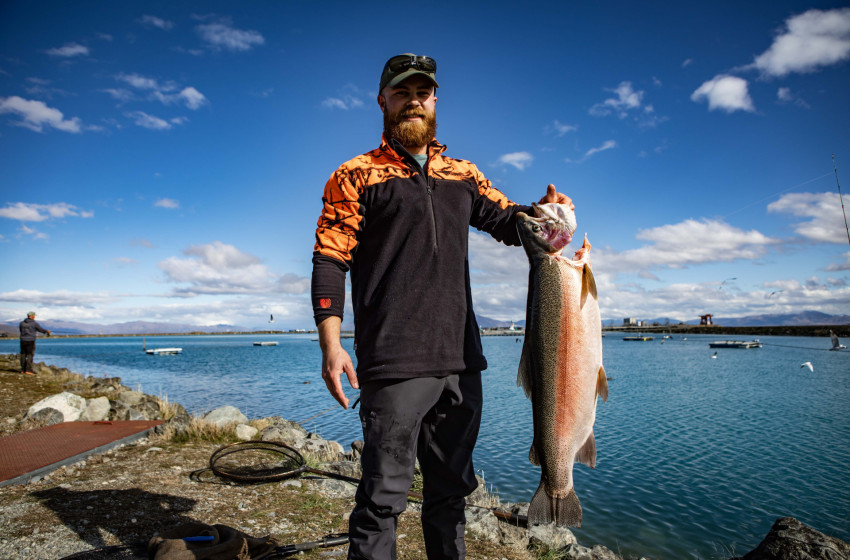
(535, 228)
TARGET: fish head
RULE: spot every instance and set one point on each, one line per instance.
(549, 230)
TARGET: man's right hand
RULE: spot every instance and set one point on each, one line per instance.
(335, 360)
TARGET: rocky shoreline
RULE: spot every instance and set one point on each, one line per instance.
(129, 494)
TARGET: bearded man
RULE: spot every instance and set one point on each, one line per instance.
(398, 218)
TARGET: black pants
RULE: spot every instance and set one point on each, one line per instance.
(436, 420)
(27, 352)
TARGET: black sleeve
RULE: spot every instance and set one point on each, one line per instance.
(327, 287)
(498, 222)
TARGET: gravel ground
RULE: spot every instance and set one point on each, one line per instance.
(129, 494)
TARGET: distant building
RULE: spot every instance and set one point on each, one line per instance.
(705, 319)
(630, 322)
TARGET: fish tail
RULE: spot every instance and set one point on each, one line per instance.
(564, 512)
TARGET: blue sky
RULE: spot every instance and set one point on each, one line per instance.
(164, 161)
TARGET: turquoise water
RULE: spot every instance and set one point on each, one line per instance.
(696, 456)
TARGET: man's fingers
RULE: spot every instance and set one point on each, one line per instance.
(335, 388)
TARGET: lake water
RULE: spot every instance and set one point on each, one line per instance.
(696, 456)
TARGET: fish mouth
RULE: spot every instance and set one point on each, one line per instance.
(557, 223)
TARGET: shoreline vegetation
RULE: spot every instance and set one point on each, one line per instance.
(842, 331)
(125, 496)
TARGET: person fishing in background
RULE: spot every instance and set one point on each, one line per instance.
(398, 219)
(29, 328)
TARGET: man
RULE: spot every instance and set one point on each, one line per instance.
(398, 218)
(29, 331)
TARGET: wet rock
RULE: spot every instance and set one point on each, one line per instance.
(96, 410)
(551, 536)
(789, 539)
(225, 416)
(71, 406)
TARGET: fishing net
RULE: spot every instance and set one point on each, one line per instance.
(263, 461)
(257, 461)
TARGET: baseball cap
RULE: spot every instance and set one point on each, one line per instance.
(403, 66)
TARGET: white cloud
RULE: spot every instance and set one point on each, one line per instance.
(164, 93)
(152, 122)
(688, 243)
(687, 62)
(169, 203)
(349, 97)
(120, 94)
(627, 99)
(192, 98)
(560, 129)
(724, 92)
(154, 21)
(607, 145)
(219, 268)
(826, 219)
(784, 95)
(141, 82)
(24, 212)
(520, 160)
(69, 50)
(811, 40)
(839, 266)
(33, 232)
(222, 35)
(36, 115)
(59, 298)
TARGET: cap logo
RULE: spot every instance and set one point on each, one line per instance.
(325, 303)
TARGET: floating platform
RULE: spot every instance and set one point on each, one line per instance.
(735, 344)
(639, 338)
(266, 343)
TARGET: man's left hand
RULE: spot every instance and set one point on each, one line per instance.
(552, 195)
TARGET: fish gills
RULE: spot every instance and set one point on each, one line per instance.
(561, 372)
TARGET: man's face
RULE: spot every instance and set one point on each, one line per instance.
(409, 114)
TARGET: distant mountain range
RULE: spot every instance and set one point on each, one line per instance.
(135, 327)
(803, 318)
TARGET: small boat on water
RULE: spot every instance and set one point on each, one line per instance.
(159, 351)
(639, 338)
(163, 351)
(266, 343)
(735, 344)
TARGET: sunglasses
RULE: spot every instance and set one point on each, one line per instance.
(401, 63)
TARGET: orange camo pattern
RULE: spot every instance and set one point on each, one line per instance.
(339, 223)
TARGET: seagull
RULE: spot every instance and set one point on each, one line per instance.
(271, 318)
(808, 365)
(714, 355)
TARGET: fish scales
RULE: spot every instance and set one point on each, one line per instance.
(561, 369)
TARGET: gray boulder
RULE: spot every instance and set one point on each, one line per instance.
(225, 416)
(551, 536)
(44, 417)
(130, 398)
(283, 431)
(71, 406)
(245, 432)
(96, 410)
(789, 539)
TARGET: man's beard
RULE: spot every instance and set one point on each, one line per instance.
(411, 133)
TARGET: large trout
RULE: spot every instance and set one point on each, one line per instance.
(561, 366)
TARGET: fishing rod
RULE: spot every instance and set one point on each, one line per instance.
(840, 197)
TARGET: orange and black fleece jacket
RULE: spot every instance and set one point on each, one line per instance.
(402, 231)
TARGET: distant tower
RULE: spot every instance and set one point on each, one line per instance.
(705, 319)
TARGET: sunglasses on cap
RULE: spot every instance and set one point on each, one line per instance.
(404, 62)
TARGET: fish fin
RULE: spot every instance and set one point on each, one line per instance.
(602, 384)
(532, 455)
(523, 375)
(587, 454)
(588, 283)
(563, 512)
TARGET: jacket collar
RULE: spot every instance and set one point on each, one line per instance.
(396, 150)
